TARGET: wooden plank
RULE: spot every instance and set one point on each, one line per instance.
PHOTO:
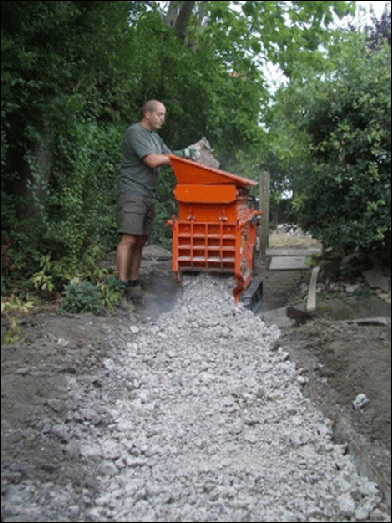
(264, 181)
(311, 303)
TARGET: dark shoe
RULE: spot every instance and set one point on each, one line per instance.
(126, 302)
(135, 294)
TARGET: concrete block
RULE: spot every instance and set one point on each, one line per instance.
(284, 263)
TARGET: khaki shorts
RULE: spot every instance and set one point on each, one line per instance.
(135, 215)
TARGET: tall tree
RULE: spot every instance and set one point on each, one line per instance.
(338, 129)
(280, 32)
(75, 73)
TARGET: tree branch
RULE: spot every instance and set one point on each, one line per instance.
(177, 18)
(182, 19)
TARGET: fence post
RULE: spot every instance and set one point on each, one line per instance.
(264, 181)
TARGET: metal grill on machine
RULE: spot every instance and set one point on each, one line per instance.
(215, 229)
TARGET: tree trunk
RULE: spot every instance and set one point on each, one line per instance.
(177, 18)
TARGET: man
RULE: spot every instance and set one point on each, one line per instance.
(143, 152)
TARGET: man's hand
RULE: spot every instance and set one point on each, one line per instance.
(190, 153)
(187, 153)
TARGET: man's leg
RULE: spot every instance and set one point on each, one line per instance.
(136, 258)
(124, 255)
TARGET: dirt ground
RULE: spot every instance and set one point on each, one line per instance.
(339, 361)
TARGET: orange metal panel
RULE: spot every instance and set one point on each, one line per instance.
(192, 193)
(189, 172)
(207, 213)
(236, 210)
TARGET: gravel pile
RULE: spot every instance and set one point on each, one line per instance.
(199, 416)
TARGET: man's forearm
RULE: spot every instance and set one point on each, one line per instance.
(156, 160)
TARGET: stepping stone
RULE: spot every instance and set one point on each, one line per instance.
(292, 251)
(284, 263)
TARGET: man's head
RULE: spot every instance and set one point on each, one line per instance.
(153, 115)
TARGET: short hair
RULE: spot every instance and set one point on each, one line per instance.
(150, 106)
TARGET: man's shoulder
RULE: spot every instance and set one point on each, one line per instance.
(136, 133)
(135, 128)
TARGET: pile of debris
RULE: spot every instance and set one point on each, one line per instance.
(204, 153)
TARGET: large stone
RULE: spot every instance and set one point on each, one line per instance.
(376, 279)
(204, 153)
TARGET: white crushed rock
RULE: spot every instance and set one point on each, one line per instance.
(207, 423)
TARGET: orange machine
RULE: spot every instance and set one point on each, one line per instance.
(215, 229)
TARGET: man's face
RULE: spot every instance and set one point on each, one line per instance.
(156, 118)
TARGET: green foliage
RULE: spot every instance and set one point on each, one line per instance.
(54, 56)
(82, 211)
(78, 216)
(166, 207)
(362, 293)
(253, 32)
(20, 260)
(342, 175)
(74, 76)
(11, 309)
(81, 297)
(54, 274)
(111, 291)
(84, 296)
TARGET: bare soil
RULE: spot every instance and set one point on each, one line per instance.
(339, 361)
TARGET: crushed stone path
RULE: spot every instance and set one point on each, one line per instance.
(199, 416)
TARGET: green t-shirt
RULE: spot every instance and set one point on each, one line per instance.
(135, 176)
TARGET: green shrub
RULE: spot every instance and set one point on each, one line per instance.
(340, 153)
(111, 291)
(55, 274)
(81, 297)
(82, 210)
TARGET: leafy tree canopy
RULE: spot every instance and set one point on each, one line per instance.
(74, 76)
(340, 154)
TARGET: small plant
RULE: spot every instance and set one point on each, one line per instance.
(111, 291)
(54, 274)
(362, 293)
(81, 297)
(43, 280)
(12, 308)
(312, 260)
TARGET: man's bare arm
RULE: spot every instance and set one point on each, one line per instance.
(156, 160)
